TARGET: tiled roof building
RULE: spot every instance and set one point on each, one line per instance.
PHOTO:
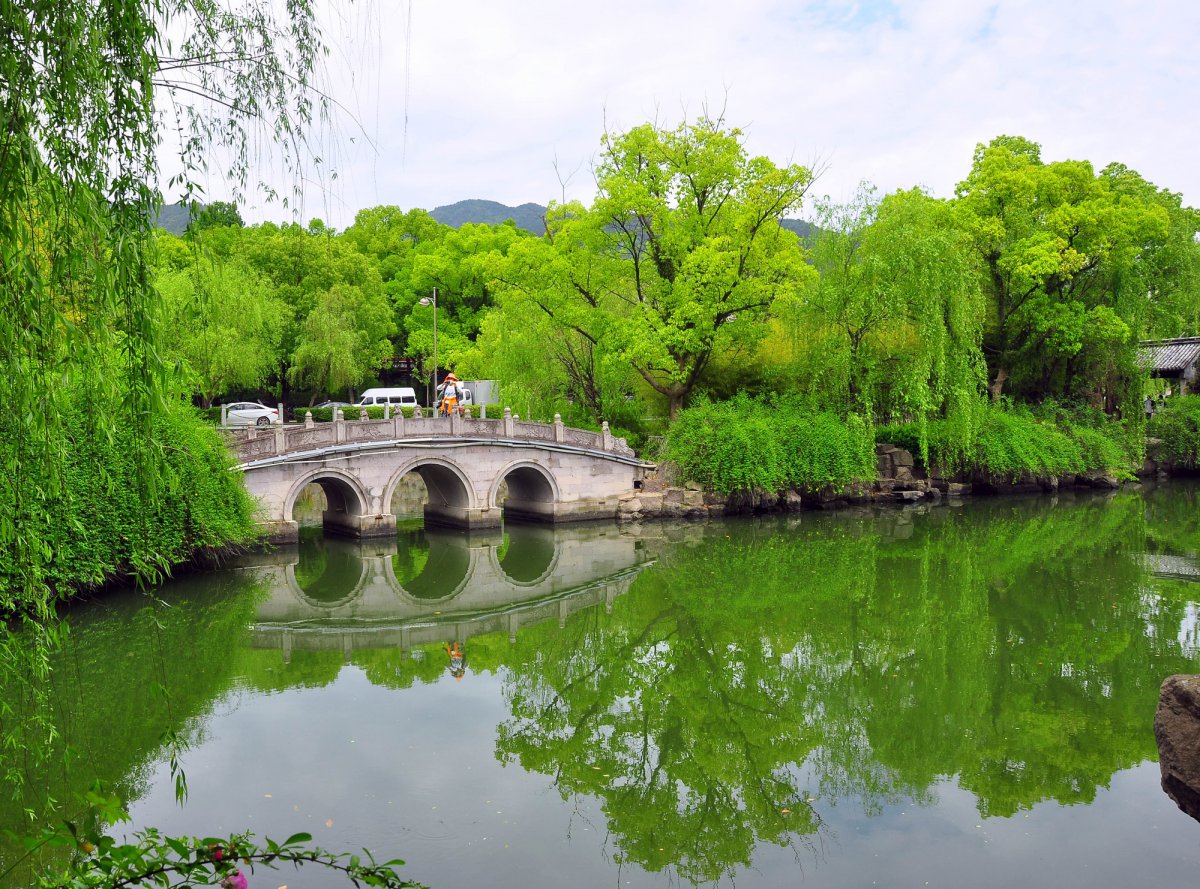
(1177, 359)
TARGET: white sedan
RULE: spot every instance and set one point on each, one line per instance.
(250, 413)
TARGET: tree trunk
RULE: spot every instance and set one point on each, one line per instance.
(996, 387)
(676, 404)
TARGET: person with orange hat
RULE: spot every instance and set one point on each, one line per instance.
(450, 393)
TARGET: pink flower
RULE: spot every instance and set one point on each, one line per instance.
(235, 881)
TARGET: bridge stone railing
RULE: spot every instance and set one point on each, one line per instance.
(252, 443)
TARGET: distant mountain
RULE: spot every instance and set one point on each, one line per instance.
(530, 216)
(805, 230)
(526, 216)
(175, 217)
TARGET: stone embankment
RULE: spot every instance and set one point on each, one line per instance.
(898, 480)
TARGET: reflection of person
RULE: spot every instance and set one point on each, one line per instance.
(458, 659)
(451, 393)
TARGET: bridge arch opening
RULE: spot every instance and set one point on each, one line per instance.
(434, 488)
(526, 493)
(337, 498)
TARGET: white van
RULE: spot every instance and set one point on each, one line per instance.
(398, 396)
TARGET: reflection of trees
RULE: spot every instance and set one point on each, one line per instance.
(128, 673)
(1012, 647)
(676, 712)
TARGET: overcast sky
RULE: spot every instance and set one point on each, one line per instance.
(465, 99)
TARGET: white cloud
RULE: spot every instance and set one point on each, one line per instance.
(894, 92)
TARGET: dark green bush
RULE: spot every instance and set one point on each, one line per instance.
(375, 412)
(902, 435)
(1177, 425)
(744, 444)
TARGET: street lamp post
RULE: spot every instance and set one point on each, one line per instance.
(432, 301)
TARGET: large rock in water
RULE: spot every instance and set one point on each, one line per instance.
(1177, 731)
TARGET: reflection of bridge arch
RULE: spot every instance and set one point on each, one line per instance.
(345, 497)
(531, 557)
(321, 597)
(532, 490)
(448, 569)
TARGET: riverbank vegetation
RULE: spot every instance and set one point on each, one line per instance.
(961, 323)
(1015, 441)
(744, 445)
(1177, 428)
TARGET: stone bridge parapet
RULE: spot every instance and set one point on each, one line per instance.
(252, 443)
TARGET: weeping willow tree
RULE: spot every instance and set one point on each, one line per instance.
(88, 89)
(893, 329)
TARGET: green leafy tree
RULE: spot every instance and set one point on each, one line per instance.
(459, 265)
(344, 339)
(680, 255)
(1169, 268)
(1063, 256)
(305, 269)
(549, 344)
(215, 215)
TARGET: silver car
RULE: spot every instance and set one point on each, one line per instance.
(250, 413)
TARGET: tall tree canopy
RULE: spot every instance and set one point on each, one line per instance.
(1068, 257)
(681, 251)
(896, 320)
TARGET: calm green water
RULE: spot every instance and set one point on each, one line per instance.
(954, 696)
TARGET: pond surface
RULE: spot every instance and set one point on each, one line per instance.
(949, 696)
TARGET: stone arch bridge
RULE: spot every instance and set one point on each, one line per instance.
(553, 473)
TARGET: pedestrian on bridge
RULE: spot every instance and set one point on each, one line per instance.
(451, 394)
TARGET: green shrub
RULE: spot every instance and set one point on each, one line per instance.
(743, 445)
(1011, 445)
(375, 412)
(1013, 442)
(902, 435)
(98, 529)
(1177, 425)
